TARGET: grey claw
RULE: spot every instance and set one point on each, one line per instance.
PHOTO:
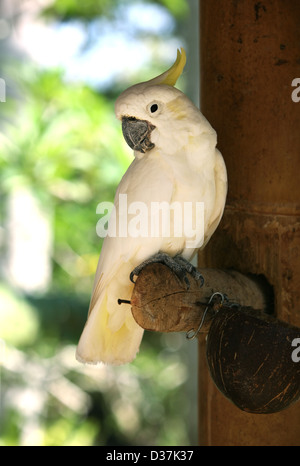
(177, 264)
(187, 282)
(132, 274)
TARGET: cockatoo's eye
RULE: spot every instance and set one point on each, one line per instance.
(154, 108)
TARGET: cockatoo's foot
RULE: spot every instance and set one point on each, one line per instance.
(177, 264)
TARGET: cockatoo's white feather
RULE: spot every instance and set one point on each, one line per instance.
(184, 165)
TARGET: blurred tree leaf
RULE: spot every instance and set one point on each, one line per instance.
(19, 324)
(62, 132)
(67, 10)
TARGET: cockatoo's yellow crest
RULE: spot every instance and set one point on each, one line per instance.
(170, 76)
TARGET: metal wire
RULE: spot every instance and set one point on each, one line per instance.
(191, 334)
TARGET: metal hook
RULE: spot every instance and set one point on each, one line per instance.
(191, 334)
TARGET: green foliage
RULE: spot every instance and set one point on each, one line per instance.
(61, 141)
(66, 10)
(19, 324)
(65, 141)
(66, 146)
(178, 8)
(48, 399)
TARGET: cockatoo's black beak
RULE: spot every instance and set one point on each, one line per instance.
(137, 133)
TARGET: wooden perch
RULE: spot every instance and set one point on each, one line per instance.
(248, 352)
(162, 303)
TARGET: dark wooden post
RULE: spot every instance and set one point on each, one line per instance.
(250, 54)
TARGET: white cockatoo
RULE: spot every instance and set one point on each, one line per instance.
(176, 161)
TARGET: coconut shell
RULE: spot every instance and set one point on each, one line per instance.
(250, 361)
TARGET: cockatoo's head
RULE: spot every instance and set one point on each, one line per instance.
(155, 106)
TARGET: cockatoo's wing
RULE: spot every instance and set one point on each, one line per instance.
(111, 335)
(220, 197)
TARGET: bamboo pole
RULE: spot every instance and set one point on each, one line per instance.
(250, 54)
